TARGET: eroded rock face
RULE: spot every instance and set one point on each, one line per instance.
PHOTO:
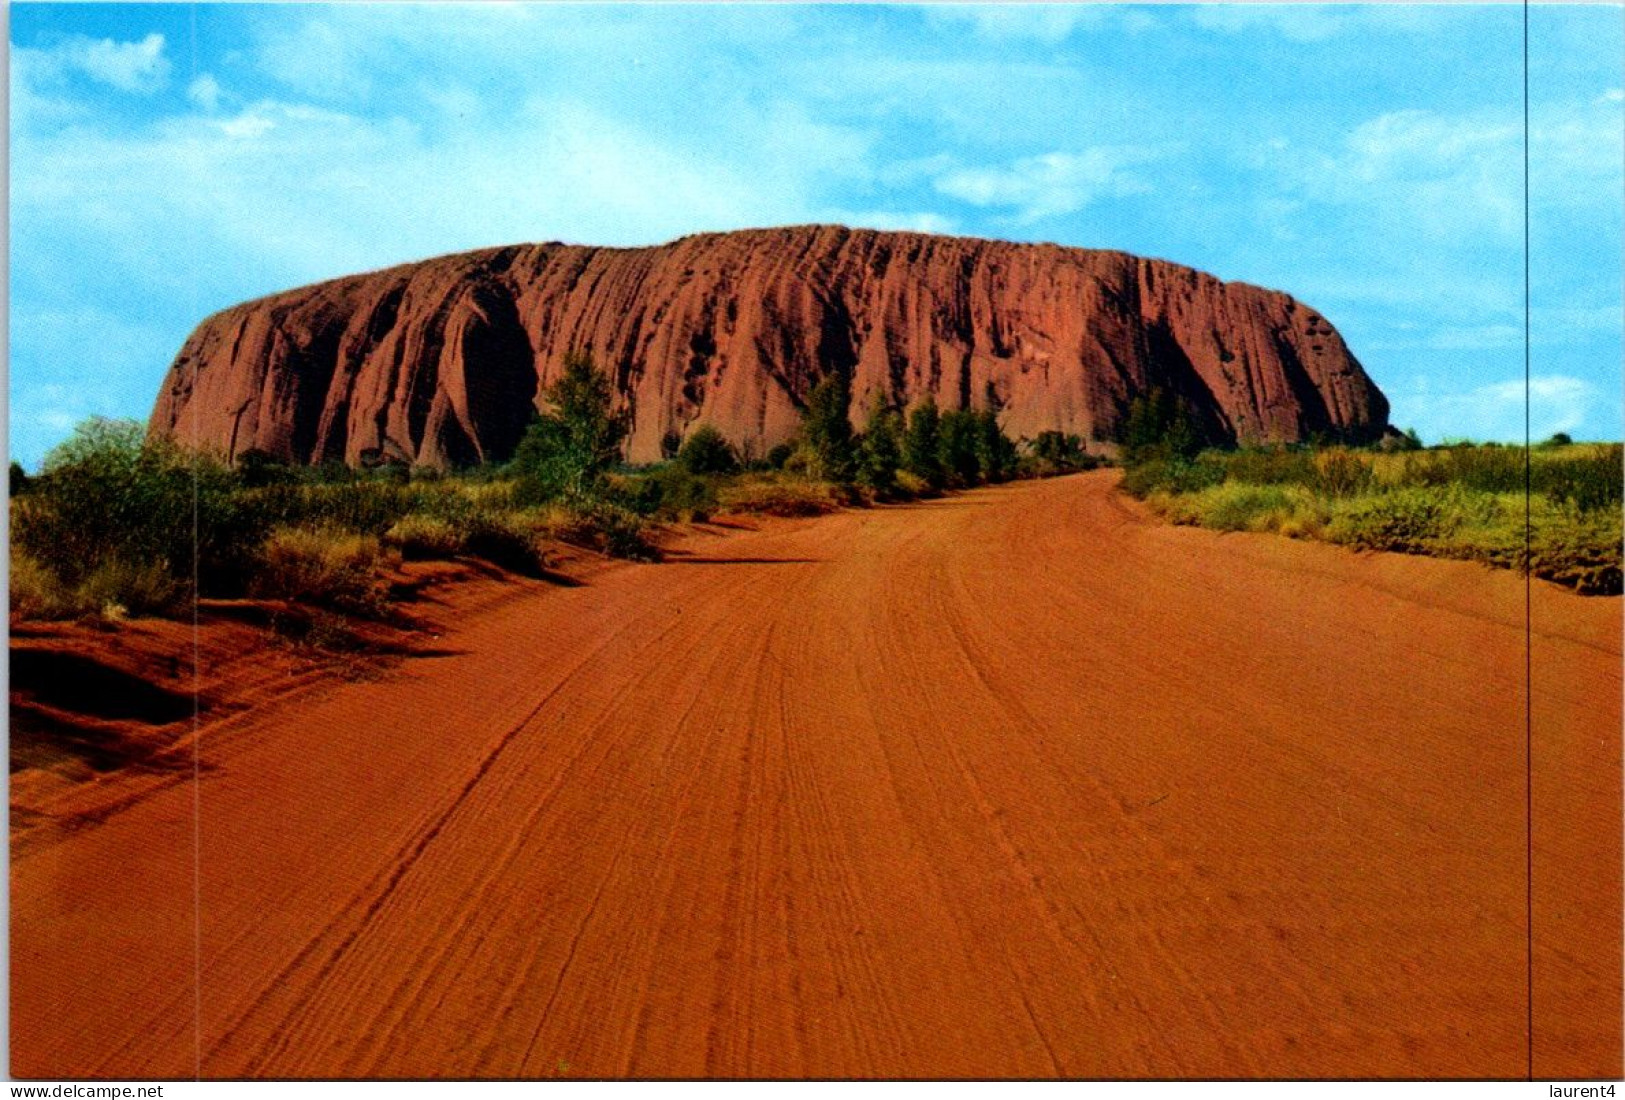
(441, 362)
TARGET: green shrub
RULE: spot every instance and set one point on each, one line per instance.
(780, 454)
(779, 495)
(1234, 507)
(614, 530)
(1340, 472)
(1583, 554)
(1462, 501)
(113, 589)
(995, 451)
(911, 485)
(422, 537)
(1409, 520)
(118, 589)
(826, 430)
(108, 494)
(511, 540)
(368, 507)
(958, 435)
(1394, 442)
(37, 592)
(706, 451)
(669, 492)
(1587, 479)
(880, 451)
(323, 566)
(1272, 466)
(1173, 475)
(566, 450)
(922, 444)
(1159, 425)
(1486, 469)
(1057, 452)
(256, 468)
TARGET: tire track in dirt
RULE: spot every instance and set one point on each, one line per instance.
(370, 902)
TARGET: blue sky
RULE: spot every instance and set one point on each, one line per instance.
(169, 160)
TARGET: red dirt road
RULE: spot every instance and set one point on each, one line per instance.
(1015, 783)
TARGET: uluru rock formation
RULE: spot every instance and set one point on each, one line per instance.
(442, 362)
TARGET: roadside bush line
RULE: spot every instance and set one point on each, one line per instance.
(1463, 501)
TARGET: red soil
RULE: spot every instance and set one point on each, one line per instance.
(1016, 783)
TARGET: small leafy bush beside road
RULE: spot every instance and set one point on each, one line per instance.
(706, 451)
(323, 566)
(115, 519)
(422, 537)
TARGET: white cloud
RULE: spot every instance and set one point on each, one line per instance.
(1052, 183)
(1495, 410)
(204, 92)
(915, 221)
(1474, 338)
(34, 101)
(1549, 327)
(1557, 403)
(1574, 154)
(128, 66)
(1416, 172)
(1049, 24)
(1458, 178)
(1612, 95)
(1306, 23)
(248, 125)
(1555, 321)
(319, 59)
(1297, 24)
(41, 79)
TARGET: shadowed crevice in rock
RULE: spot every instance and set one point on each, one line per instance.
(309, 367)
(1175, 373)
(499, 373)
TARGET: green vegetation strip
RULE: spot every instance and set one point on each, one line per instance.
(1462, 501)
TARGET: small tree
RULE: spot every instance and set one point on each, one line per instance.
(1159, 426)
(921, 442)
(567, 449)
(957, 437)
(109, 498)
(257, 469)
(995, 451)
(98, 441)
(778, 455)
(827, 430)
(706, 451)
(880, 452)
(1058, 450)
